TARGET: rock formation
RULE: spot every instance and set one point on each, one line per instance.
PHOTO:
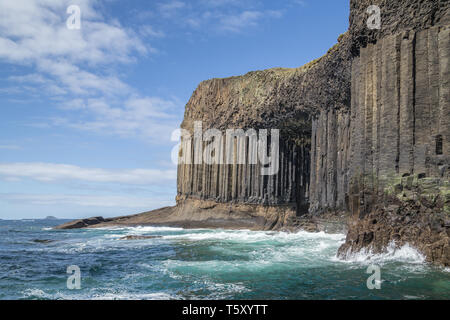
(362, 129)
(373, 111)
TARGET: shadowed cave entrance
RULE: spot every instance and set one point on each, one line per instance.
(295, 162)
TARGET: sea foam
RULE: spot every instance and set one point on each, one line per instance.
(405, 253)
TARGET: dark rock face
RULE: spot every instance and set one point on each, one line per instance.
(401, 105)
(419, 223)
(330, 160)
(398, 105)
(340, 116)
(396, 17)
(82, 223)
(284, 99)
(374, 109)
(43, 241)
(400, 134)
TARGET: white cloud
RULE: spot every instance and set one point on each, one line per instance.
(31, 30)
(34, 33)
(145, 117)
(246, 19)
(68, 66)
(35, 83)
(168, 9)
(236, 23)
(300, 2)
(81, 82)
(86, 200)
(229, 16)
(30, 78)
(9, 147)
(49, 172)
(220, 3)
(149, 31)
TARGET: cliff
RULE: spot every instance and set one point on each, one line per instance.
(363, 133)
(373, 111)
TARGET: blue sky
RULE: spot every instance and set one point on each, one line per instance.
(87, 115)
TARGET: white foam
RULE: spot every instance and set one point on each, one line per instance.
(119, 295)
(321, 235)
(220, 291)
(406, 254)
(38, 293)
(113, 236)
(408, 297)
(134, 296)
(107, 229)
(146, 229)
(255, 236)
(279, 250)
(139, 229)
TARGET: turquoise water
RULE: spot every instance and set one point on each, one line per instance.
(202, 264)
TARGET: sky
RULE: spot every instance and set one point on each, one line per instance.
(87, 114)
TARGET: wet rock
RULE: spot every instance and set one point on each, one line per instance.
(139, 237)
(44, 241)
(401, 224)
(82, 223)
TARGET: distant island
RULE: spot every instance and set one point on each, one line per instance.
(50, 218)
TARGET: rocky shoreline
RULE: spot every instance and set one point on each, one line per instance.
(363, 141)
(400, 223)
(409, 213)
(165, 217)
(197, 215)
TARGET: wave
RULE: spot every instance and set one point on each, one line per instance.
(254, 236)
(35, 294)
(248, 251)
(119, 295)
(294, 244)
(135, 296)
(405, 254)
(144, 229)
(215, 264)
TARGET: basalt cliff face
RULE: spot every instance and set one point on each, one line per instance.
(362, 129)
(364, 135)
(290, 100)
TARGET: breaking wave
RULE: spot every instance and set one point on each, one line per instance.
(405, 253)
(175, 263)
(38, 294)
(254, 236)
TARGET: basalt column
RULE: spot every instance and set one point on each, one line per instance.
(400, 106)
(329, 160)
(240, 176)
(400, 113)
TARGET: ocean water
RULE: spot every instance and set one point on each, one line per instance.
(202, 264)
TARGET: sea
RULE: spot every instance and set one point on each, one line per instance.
(38, 262)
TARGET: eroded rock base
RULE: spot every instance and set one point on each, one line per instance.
(418, 220)
(190, 213)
